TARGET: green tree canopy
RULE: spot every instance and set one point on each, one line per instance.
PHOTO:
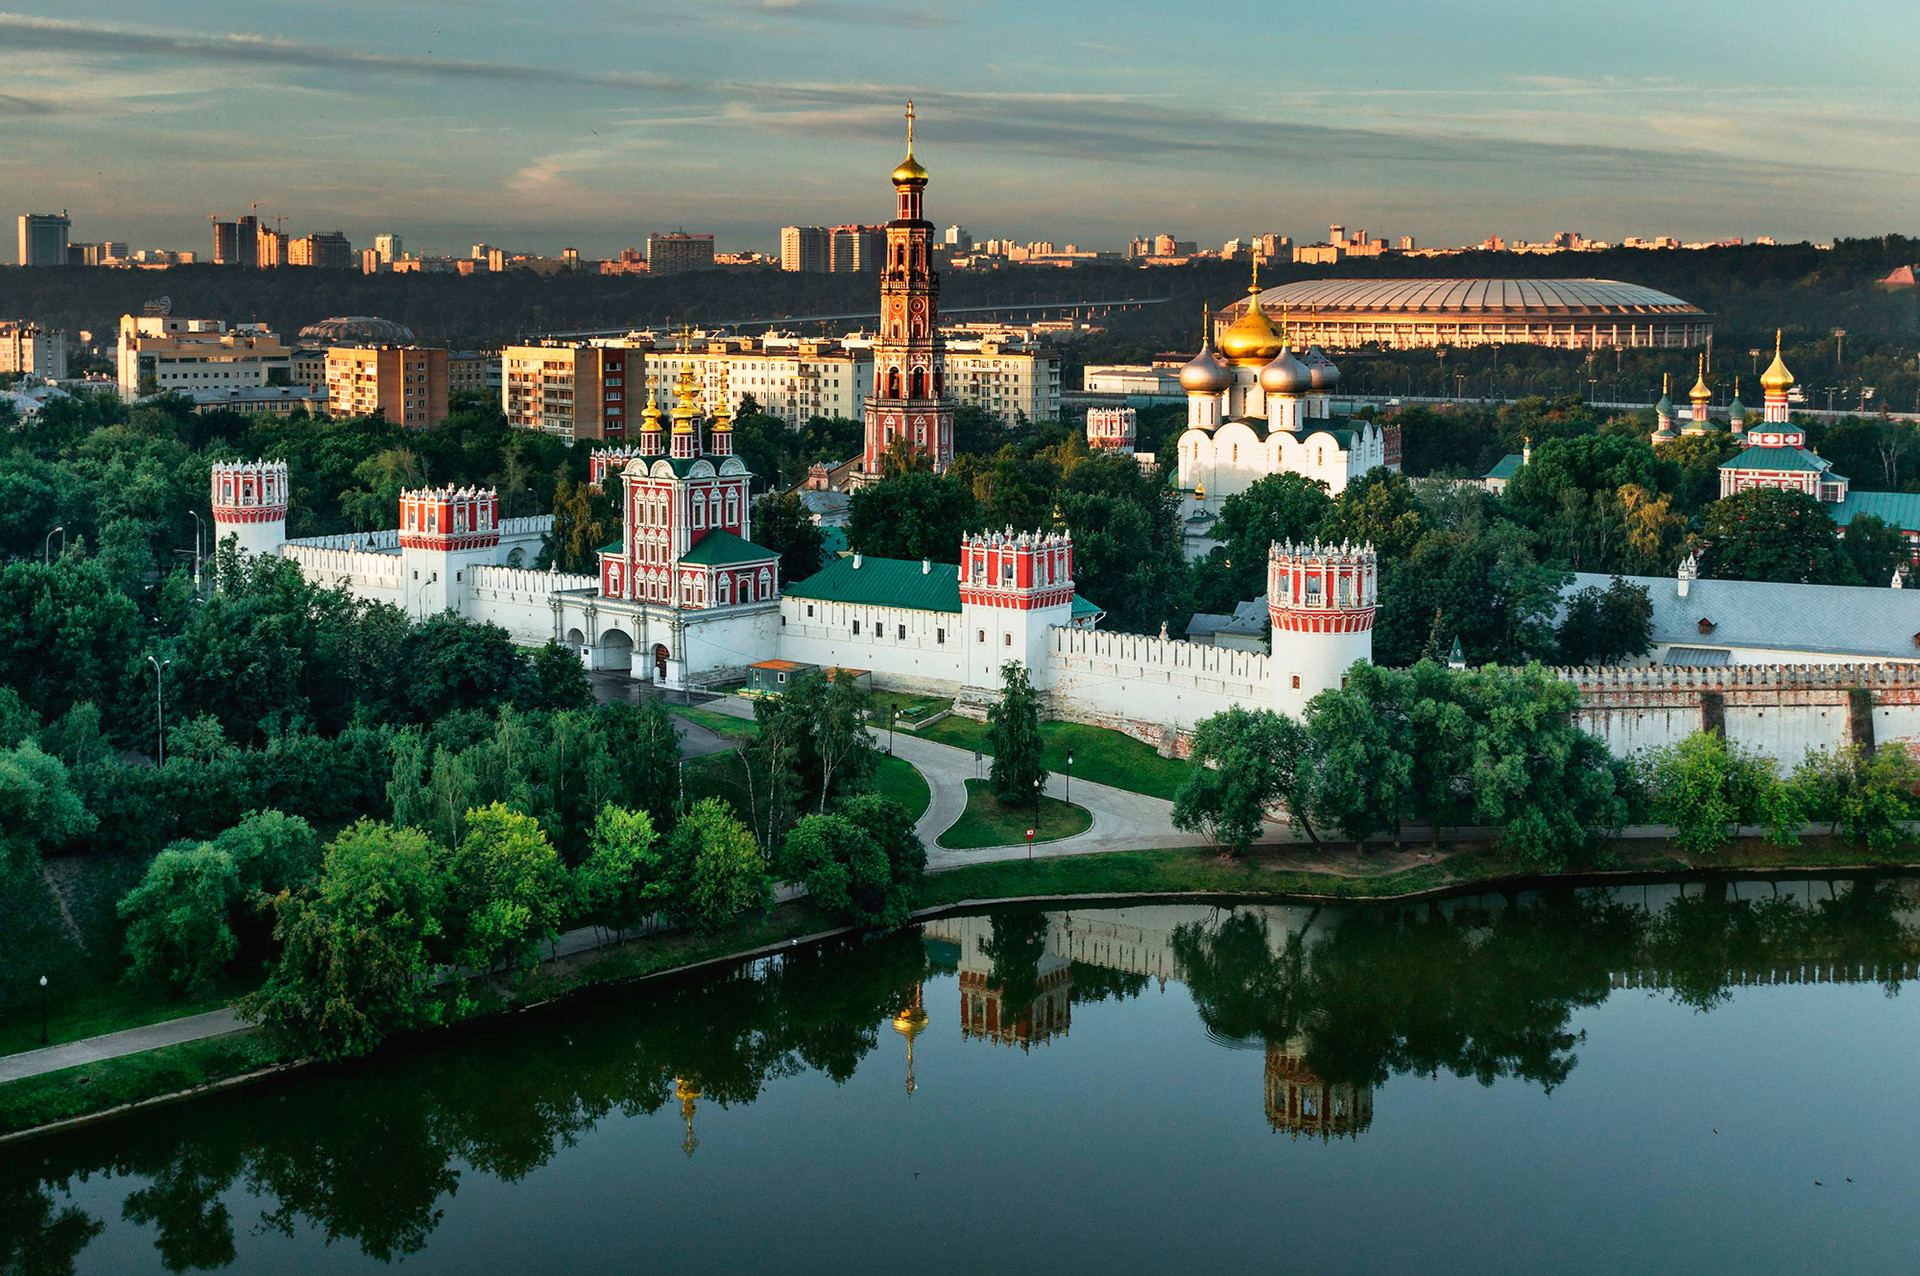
(1019, 772)
(1767, 533)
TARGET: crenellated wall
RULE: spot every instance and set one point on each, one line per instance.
(1780, 711)
(382, 539)
(518, 600)
(1155, 689)
(365, 574)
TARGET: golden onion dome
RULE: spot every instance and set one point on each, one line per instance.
(1776, 377)
(1701, 391)
(910, 172)
(1286, 375)
(651, 417)
(1250, 339)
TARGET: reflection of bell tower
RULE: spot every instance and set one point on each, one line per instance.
(1299, 1102)
(910, 1022)
(984, 1013)
(687, 1090)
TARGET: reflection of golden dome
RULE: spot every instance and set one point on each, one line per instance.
(687, 1090)
(1776, 377)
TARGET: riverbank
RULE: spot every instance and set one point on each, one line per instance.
(1291, 873)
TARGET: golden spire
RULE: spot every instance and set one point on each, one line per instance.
(910, 172)
(1701, 391)
(686, 406)
(1776, 379)
(651, 417)
(1254, 287)
(910, 1022)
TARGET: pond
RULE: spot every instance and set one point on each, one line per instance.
(1715, 1076)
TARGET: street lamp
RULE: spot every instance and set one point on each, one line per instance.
(46, 550)
(160, 707)
(1069, 795)
(1036, 802)
(43, 1010)
(196, 549)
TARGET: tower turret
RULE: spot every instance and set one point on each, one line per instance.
(1111, 429)
(1014, 586)
(1702, 398)
(720, 439)
(652, 430)
(1205, 379)
(444, 531)
(605, 460)
(686, 416)
(250, 504)
(909, 399)
(1321, 599)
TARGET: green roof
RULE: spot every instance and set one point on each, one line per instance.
(1084, 606)
(833, 540)
(1774, 458)
(614, 548)
(721, 548)
(1505, 468)
(883, 582)
(1897, 509)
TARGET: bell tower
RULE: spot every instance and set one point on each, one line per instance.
(909, 363)
(1014, 587)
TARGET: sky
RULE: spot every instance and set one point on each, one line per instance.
(589, 123)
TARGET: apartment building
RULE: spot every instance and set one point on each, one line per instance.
(43, 239)
(806, 249)
(25, 346)
(472, 372)
(573, 391)
(1007, 377)
(329, 250)
(677, 252)
(789, 377)
(407, 384)
(160, 353)
(852, 249)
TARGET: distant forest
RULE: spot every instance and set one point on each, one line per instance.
(1750, 290)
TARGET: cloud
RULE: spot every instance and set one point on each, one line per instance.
(14, 104)
(21, 31)
(866, 15)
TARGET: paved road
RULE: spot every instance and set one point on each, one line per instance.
(70, 1054)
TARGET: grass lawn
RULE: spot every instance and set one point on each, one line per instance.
(720, 723)
(722, 775)
(1100, 755)
(987, 823)
(911, 706)
(95, 1087)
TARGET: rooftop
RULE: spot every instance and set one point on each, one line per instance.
(1843, 620)
(1517, 297)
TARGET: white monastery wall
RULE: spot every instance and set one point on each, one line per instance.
(364, 574)
(905, 649)
(518, 600)
(1107, 678)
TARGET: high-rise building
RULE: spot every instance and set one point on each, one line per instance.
(388, 246)
(329, 250)
(43, 239)
(573, 391)
(855, 249)
(677, 251)
(407, 384)
(806, 249)
(1010, 378)
(159, 353)
(246, 241)
(25, 346)
(271, 249)
(958, 241)
(226, 243)
(909, 374)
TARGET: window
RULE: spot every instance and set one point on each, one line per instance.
(983, 633)
(940, 636)
(980, 570)
(856, 627)
(1006, 571)
(1006, 640)
(809, 611)
(1296, 682)
(902, 631)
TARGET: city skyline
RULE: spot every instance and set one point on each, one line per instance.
(591, 125)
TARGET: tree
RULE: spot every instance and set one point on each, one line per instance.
(1127, 554)
(1870, 795)
(557, 679)
(1241, 767)
(38, 807)
(178, 927)
(454, 663)
(621, 882)
(1280, 507)
(1705, 788)
(1377, 509)
(1767, 533)
(272, 852)
(837, 708)
(782, 524)
(1363, 742)
(911, 516)
(1019, 773)
(505, 888)
(67, 635)
(584, 520)
(645, 750)
(1606, 626)
(715, 870)
(861, 861)
(355, 964)
(1875, 549)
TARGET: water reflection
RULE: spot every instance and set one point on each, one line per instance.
(1337, 1001)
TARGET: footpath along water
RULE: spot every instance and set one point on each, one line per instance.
(1718, 1077)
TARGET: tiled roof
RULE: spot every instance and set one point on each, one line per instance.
(1775, 458)
(722, 548)
(1505, 468)
(1896, 509)
(1842, 620)
(884, 582)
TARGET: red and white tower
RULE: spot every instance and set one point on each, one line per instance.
(1775, 382)
(444, 532)
(1111, 429)
(1013, 588)
(909, 363)
(1321, 600)
(250, 503)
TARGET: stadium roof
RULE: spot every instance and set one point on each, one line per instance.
(1537, 297)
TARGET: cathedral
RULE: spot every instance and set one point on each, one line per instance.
(1257, 409)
